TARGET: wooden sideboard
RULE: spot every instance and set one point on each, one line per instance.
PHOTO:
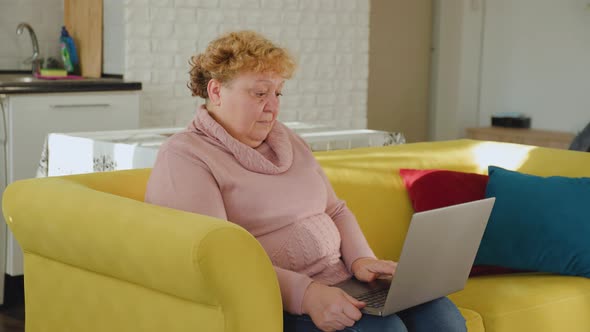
(545, 138)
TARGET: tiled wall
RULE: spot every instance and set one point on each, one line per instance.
(46, 18)
(328, 37)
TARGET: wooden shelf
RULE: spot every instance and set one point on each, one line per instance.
(545, 138)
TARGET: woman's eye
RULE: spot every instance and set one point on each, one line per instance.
(260, 94)
(278, 94)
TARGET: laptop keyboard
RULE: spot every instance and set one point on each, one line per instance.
(375, 298)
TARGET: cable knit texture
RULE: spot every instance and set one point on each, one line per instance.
(277, 191)
(278, 147)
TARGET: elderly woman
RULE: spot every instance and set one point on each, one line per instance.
(236, 161)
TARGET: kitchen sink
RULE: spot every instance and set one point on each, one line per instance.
(17, 78)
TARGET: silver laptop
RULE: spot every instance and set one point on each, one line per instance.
(436, 259)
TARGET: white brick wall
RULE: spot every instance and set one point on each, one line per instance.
(330, 39)
(46, 18)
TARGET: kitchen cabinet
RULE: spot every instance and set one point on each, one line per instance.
(27, 119)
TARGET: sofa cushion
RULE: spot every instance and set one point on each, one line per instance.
(528, 302)
(433, 188)
(538, 223)
(473, 320)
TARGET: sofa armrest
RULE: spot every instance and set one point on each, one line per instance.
(190, 256)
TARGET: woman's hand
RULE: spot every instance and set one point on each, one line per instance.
(369, 269)
(330, 308)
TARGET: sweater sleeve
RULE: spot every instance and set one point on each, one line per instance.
(184, 184)
(354, 245)
(293, 286)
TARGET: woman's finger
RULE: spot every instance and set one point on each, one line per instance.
(369, 276)
(358, 304)
(381, 267)
(345, 320)
(352, 312)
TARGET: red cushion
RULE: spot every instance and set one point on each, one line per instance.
(432, 189)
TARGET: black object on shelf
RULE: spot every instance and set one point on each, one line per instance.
(582, 141)
(511, 120)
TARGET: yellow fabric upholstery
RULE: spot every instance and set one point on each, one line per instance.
(105, 249)
(368, 180)
(99, 259)
(529, 302)
(473, 320)
(61, 297)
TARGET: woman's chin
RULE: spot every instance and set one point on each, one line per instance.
(255, 139)
(259, 136)
(263, 129)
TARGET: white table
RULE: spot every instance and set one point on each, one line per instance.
(87, 152)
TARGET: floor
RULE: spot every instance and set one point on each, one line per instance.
(12, 312)
(10, 324)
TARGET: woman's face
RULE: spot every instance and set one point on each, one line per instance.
(247, 106)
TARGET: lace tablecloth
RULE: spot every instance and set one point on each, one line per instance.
(87, 152)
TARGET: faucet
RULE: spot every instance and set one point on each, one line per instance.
(35, 60)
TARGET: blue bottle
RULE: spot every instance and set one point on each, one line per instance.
(69, 53)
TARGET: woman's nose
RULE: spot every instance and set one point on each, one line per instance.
(273, 103)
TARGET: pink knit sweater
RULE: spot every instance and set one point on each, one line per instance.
(277, 192)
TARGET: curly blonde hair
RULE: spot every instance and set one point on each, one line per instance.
(234, 53)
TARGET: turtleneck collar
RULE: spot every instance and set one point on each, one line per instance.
(273, 156)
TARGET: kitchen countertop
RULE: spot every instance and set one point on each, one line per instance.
(19, 82)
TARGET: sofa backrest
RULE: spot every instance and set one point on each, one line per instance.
(368, 178)
(130, 183)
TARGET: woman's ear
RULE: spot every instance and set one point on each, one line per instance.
(214, 91)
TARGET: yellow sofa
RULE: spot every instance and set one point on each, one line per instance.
(99, 259)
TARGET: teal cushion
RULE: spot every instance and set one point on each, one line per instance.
(538, 224)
